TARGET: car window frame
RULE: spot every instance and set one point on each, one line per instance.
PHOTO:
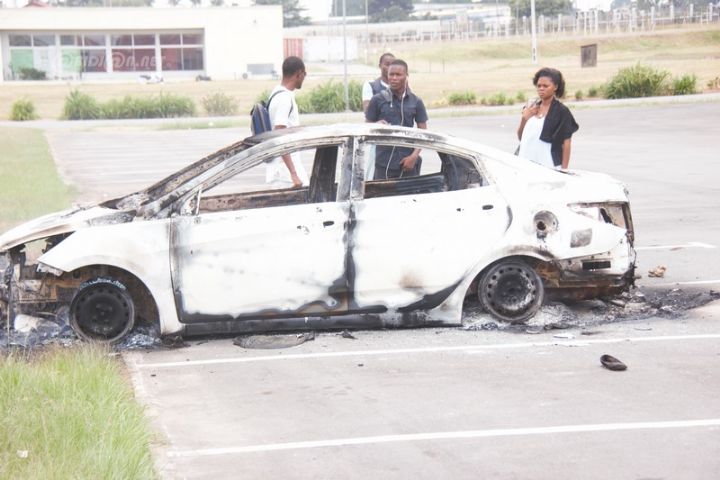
(475, 158)
(187, 204)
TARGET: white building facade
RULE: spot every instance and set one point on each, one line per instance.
(123, 43)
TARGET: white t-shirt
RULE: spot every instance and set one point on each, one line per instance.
(283, 110)
(367, 92)
(531, 147)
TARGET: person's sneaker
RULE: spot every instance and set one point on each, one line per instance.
(612, 363)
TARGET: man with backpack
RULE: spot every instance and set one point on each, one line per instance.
(286, 171)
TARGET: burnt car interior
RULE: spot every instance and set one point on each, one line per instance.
(322, 188)
(456, 173)
(449, 172)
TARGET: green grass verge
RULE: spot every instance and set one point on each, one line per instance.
(29, 183)
(71, 414)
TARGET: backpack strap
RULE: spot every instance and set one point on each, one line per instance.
(267, 104)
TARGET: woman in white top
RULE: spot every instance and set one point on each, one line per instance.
(547, 126)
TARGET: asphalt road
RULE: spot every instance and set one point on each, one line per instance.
(447, 403)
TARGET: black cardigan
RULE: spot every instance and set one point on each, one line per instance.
(559, 126)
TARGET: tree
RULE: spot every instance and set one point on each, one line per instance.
(389, 10)
(292, 12)
(547, 8)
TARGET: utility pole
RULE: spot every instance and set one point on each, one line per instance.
(345, 78)
(533, 32)
(367, 33)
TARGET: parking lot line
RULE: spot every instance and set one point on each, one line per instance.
(503, 432)
(695, 282)
(670, 247)
(402, 351)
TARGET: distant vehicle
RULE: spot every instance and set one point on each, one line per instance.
(212, 249)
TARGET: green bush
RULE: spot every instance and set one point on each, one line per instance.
(521, 97)
(23, 110)
(579, 95)
(638, 81)
(462, 98)
(685, 85)
(80, 106)
(330, 97)
(219, 104)
(497, 99)
(263, 97)
(28, 73)
(593, 92)
(170, 105)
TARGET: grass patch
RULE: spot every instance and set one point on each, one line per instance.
(29, 183)
(70, 414)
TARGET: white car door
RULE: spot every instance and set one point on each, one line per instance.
(265, 262)
(412, 249)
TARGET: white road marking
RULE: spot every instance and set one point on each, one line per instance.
(503, 432)
(695, 282)
(401, 351)
(671, 247)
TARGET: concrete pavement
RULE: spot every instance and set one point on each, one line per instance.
(444, 404)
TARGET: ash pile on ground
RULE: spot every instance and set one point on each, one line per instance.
(53, 328)
(641, 303)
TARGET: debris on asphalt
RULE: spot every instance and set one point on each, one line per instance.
(53, 327)
(617, 302)
(273, 341)
(142, 336)
(347, 334)
(174, 341)
(612, 363)
(566, 336)
(658, 272)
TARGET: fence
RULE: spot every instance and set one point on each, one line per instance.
(581, 23)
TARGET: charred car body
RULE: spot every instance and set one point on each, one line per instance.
(206, 250)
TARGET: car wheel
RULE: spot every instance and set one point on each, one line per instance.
(511, 291)
(102, 310)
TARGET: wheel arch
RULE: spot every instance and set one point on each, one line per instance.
(532, 258)
(146, 307)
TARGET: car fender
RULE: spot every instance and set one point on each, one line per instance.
(140, 248)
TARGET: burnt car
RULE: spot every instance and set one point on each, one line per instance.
(212, 249)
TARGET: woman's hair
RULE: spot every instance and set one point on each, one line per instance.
(555, 76)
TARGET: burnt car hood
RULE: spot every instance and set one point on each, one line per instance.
(66, 221)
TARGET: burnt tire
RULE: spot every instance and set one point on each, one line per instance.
(511, 291)
(102, 310)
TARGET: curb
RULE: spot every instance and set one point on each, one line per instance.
(320, 118)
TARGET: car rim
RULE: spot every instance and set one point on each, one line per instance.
(511, 292)
(102, 312)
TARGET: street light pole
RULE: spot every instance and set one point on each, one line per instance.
(345, 78)
(533, 32)
(367, 33)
